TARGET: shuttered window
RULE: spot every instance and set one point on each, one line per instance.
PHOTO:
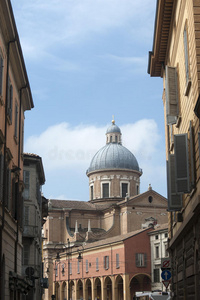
(70, 268)
(16, 120)
(171, 95)
(26, 184)
(9, 100)
(105, 187)
(141, 260)
(185, 38)
(8, 189)
(117, 260)
(181, 163)
(192, 158)
(86, 266)
(174, 200)
(106, 262)
(26, 215)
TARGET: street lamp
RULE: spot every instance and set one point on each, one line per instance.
(58, 262)
(80, 259)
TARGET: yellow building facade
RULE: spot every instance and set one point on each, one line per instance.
(176, 58)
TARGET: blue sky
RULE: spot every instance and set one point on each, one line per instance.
(86, 61)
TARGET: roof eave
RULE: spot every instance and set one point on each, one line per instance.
(157, 56)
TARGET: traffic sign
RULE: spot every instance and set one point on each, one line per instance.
(166, 283)
(166, 275)
(165, 263)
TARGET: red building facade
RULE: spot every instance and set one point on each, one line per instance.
(114, 268)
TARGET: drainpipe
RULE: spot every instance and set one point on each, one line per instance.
(4, 173)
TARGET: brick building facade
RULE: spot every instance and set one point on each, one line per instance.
(15, 99)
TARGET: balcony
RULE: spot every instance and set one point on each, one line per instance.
(30, 231)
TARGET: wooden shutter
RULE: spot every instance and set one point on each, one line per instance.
(186, 53)
(192, 158)
(181, 163)
(171, 92)
(174, 200)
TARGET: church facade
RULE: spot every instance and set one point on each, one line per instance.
(115, 208)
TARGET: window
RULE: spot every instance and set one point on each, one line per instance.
(185, 39)
(156, 237)
(97, 264)
(86, 266)
(70, 268)
(150, 199)
(166, 235)
(124, 189)
(171, 95)
(1, 75)
(111, 138)
(56, 271)
(141, 260)
(105, 187)
(157, 252)
(16, 120)
(91, 192)
(116, 139)
(156, 275)
(78, 267)
(137, 190)
(26, 251)
(26, 215)
(26, 184)
(9, 100)
(106, 262)
(8, 189)
(166, 251)
(117, 260)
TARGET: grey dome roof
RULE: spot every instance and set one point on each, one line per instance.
(113, 156)
(113, 128)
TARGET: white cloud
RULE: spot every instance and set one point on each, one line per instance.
(67, 152)
(62, 146)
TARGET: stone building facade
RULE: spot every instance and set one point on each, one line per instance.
(15, 99)
(115, 207)
(175, 58)
(159, 250)
(35, 210)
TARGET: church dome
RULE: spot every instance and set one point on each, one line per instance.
(113, 128)
(113, 155)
